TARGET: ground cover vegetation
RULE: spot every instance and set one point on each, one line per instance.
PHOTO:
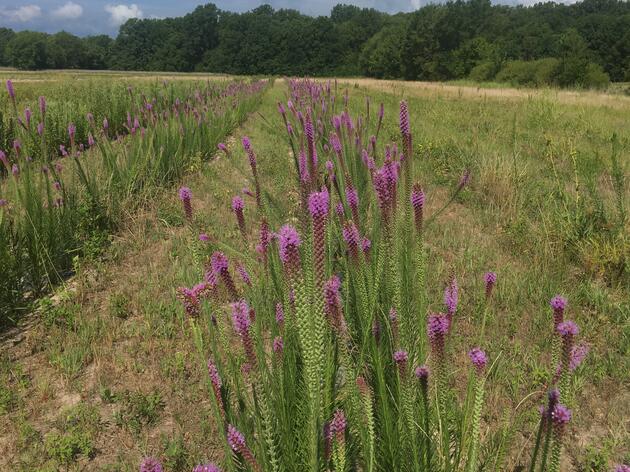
(313, 297)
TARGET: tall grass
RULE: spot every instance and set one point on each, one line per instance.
(54, 208)
(333, 356)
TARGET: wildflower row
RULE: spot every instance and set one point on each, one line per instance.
(57, 204)
(327, 357)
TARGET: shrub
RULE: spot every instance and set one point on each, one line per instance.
(483, 72)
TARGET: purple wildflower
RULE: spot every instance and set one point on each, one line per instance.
(279, 314)
(222, 147)
(318, 204)
(558, 304)
(352, 238)
(40, 128)
(203, 237)
(578, 354)
(478, 358)
(3, 202)
(11, 90)
(237, 206)
(451, 296)
(42, 106)
(151, 464)
(464, 180)
(288, 245)
(72, 130)
(490, 279)
(236, 440)
(422, 372)
(437, 329)
(622, 468)
(15, 170)
(185, 194)
(401, 358)
(244, 275)
(338, 425)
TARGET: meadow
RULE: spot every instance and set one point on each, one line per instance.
(233, 313)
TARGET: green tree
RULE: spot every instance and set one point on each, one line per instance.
(27, 50)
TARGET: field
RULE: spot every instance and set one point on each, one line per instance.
(103, 365)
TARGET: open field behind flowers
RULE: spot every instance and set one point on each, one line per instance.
(112, 369)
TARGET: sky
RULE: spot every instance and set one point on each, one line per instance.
(88, 17)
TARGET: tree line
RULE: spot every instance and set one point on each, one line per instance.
(586, 43)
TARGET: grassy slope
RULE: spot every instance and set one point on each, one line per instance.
(122, 330)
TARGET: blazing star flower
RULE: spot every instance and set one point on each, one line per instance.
(10, 90)
(451, 296)
(15, 170)
(437, 328)
(3, 158)
(490, 278)
(353, 239)
(151, 464)
(72, 129)
(558, 304)
(3, 202)
(478, 358)
(90, 140)
(578, 354)
(244, 275)
(204, 237)
(622, 468)
(318, 204)
(219, 262)
(57, 185)
(422, 372)
(338, 425)
(40, 128)
(105, 124)
(185, 194)
(568, 328)
(279, 314)
(417, 203)
(404, 118)
(400, 358)
(222, 147)
(42, 106)
(235, 439)
(27, 116)
(561, 415)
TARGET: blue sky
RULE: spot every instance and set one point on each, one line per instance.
(85, 17)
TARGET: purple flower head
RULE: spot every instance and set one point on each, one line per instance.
(330, 167)
(622, 468)
(204, 237)
(3, 158)
(561, 415)
(352, 237)
(558, 303)
(338, 424)
(90, 140)
(238, 204)
(422, 372)
(568, 328)
(185, 194)
(3, 202)
(90, 118)
(72, 130)
(10, 89)
(240, 317)
(451, 296)
(40, 128)
(27, 116)
(578, 354)
(478, 358)
(247, 144)
(213, 372)
(318, 204)
(554, 396)
(235, 438)
(352, 196)
(219, 262)
(490, 279)
(15, 170)
(278, 345)
(339, 209)
(281, 109)
(437, 326)
(105, 124)
(401, 357)
(366, 244)
(288, 241)
(206, 468)
(17, 145)
(279, 314)
(57, 185)
(222, 147)
(244, 275)
(42, 106)
(151, 464)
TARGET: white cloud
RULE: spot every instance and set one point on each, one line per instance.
(415, 4)
(69, 11)
(121, 13)
(21, 14)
